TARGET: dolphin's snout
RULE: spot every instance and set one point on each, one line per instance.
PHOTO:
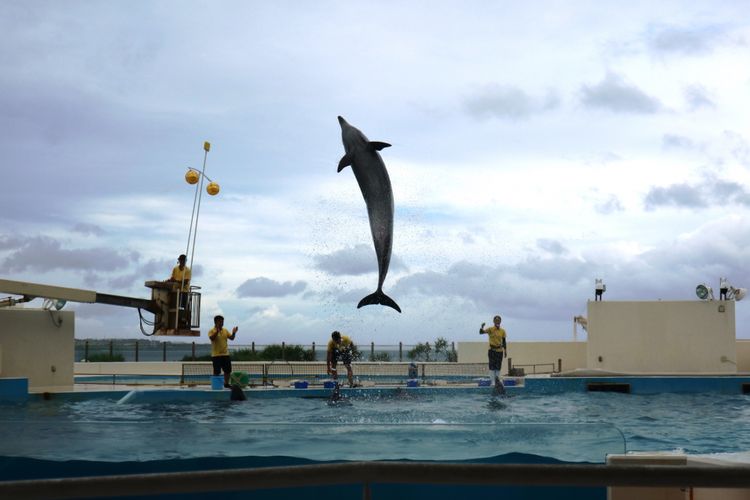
(342, 121)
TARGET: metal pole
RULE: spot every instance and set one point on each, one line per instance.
(193, 351)
(111, 349)
(252, 347)
(136, 350)
(86, 351)
(283, 351)
(164, 351)
(372, 351)
(314, 358)
(206, 148)
(400, 351)
(559, 365)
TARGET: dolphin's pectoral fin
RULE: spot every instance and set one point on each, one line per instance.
(345, 161)
(378, 297)
(377, 145)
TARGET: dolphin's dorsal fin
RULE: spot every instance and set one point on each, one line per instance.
(345, 161)
(377, 145)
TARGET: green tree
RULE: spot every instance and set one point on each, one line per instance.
(443, 349)
(421, 352)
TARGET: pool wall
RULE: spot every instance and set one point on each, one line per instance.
(528, 385)
(14, 468)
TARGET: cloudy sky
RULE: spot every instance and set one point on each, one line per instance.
(536, 146)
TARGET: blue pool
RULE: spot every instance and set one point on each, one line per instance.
(157, 428)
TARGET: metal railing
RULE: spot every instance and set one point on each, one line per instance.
(370, 473)
(154, 350)
(536, 368)
(270, 373)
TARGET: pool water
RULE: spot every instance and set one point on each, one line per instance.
(570, 427)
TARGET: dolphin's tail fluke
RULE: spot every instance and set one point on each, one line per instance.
(378, 297)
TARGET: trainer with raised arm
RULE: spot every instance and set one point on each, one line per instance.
(219, 350)
(497, 347)
(340, 348)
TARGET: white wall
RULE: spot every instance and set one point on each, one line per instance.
(662, 337)
(743, 356)
(34, 346)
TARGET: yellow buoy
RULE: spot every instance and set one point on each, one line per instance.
(192, 176)
(212, 188)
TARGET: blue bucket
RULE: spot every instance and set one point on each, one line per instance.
(509, 382)
(329, 384)
(484, 382)
(217, 382)
(300, 384)
(414, 382)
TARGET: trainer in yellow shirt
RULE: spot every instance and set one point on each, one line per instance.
(497, 345)
(181, 273)
(219, 350)
(340, 347)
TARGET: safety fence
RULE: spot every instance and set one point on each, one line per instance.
(97, 350)
(280, 372)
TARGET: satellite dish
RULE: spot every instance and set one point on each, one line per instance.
(704, 292)
(739, 293)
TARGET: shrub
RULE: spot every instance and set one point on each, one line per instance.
(105, 358)
(290, 353)
(380, 356)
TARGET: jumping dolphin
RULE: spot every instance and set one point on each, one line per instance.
(372, 177)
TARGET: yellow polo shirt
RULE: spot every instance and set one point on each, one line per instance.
(219, 343)
(496, 335)
(346, 343)
(178, 274)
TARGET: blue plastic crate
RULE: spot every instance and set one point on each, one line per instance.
(300, 384)
(412, 382)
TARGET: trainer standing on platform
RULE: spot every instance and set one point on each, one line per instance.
(497, 346)
(181, 275)
(340, 348)
(219, 350)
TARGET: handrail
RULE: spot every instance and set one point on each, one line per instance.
(367, 473)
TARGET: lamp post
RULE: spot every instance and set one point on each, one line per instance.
(195, 177)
